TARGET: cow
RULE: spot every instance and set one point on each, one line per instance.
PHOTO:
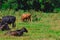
(8, 20)
(4, 27)
(17, 32)
(26, 17)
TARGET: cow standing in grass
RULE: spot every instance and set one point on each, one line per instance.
(17, 32)
(8, 20)
(26, 17)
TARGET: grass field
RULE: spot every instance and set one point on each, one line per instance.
(47, 28)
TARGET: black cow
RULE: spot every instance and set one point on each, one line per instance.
(17, 32)
(8, 20)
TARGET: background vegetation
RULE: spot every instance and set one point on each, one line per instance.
(26, 5)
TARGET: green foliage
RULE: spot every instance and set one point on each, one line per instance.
(56, 3)
(12, 1)
(14, 6)
(35, 18)
(21, 4)
(5, 5)
(57, 10)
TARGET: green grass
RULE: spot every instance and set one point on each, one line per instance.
(47, 28)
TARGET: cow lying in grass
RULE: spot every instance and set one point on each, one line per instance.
(17, 32)
(8, 20)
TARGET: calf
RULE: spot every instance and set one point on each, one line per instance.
(4, 27)
(8, 20)
(26, 17)
(17, 32)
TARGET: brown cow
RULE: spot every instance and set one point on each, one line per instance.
(26, 17)
(19, 32)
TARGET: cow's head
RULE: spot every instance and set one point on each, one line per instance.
(1, 27)
(4, 27)
(24, 29)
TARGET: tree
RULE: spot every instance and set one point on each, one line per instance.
(36, 5)
(48, 7)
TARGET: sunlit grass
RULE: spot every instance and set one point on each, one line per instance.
(47, 28)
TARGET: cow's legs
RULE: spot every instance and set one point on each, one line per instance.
(29, 18)
(13, 25)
